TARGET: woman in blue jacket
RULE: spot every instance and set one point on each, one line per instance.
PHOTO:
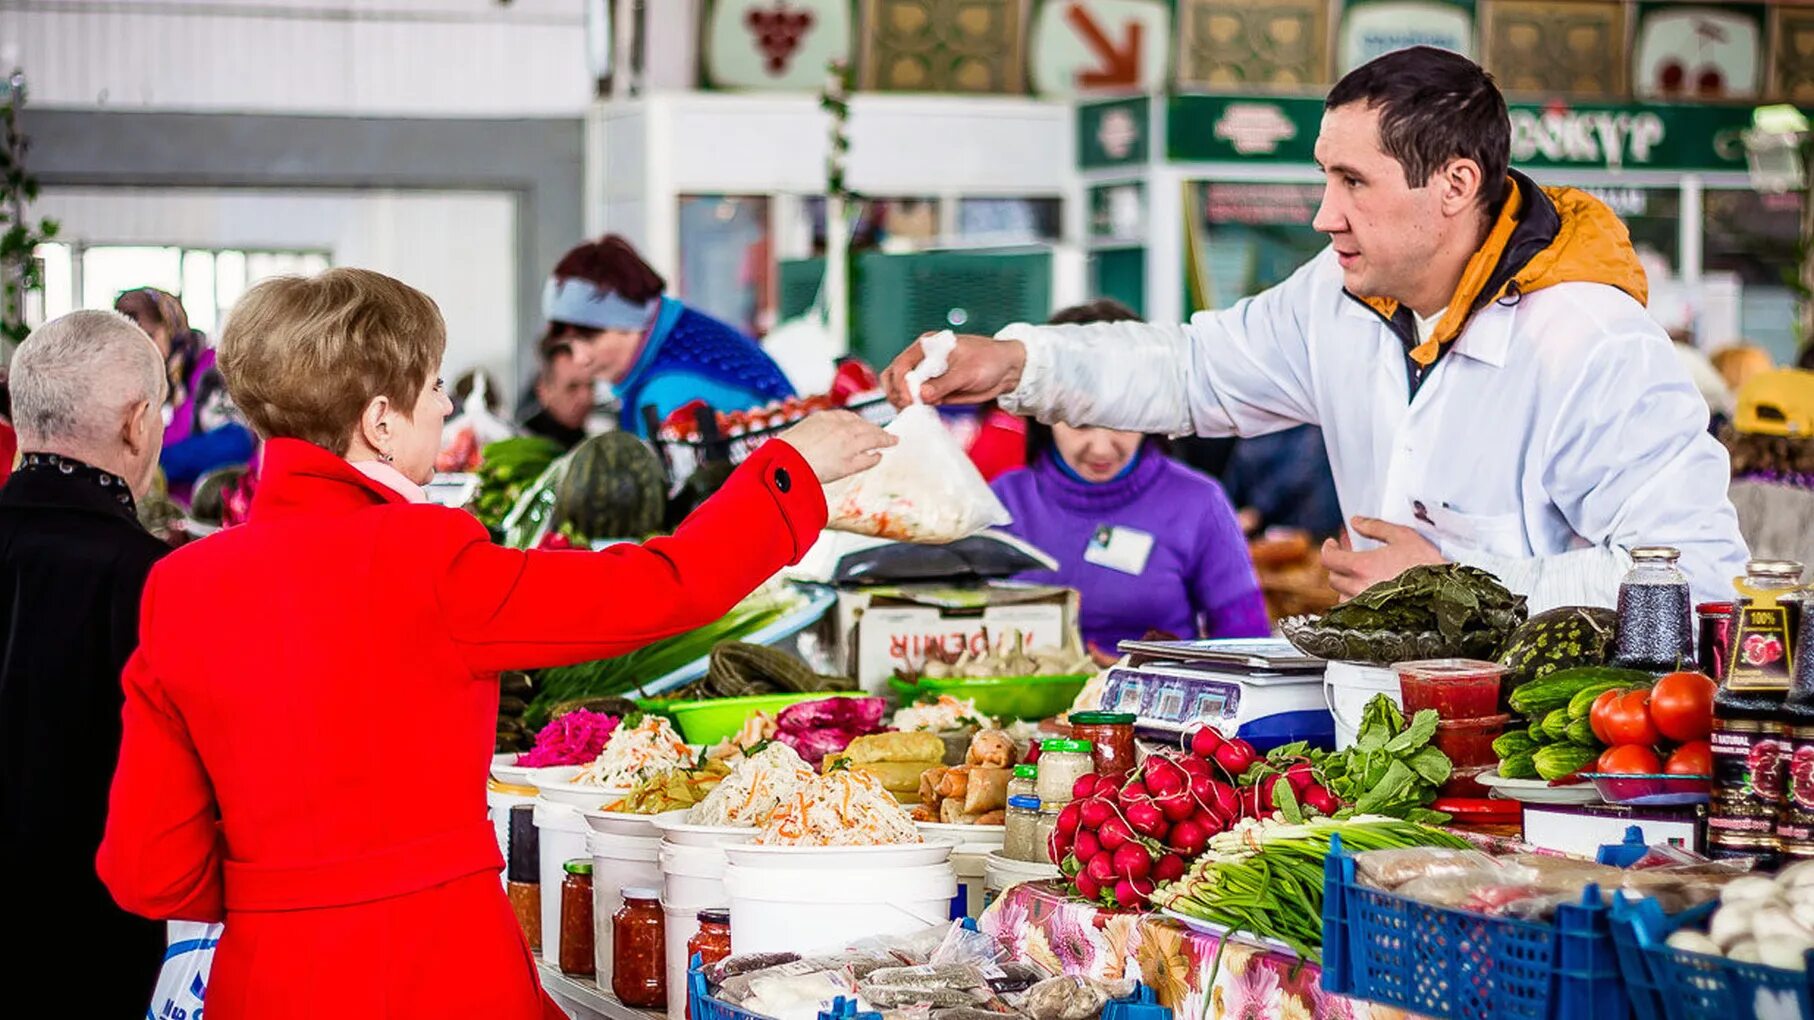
(606, 304)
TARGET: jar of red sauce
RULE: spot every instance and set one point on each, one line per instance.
(712, 942)
(1111, 735)
(576, 918)
(639, 952)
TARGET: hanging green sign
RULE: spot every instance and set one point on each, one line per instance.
(1114, 133)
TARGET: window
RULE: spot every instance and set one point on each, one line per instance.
(207, 281)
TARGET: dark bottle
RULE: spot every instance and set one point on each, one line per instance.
(1795, 818)
(1656, 613)
(1749, 741)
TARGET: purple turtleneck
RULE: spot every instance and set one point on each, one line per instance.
(1198, 580)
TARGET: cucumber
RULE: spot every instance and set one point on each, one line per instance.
(1519, 766)
(1558, 760)
(1555, 725)
(1541, 697)
(1580, 731)
(1513, 742)
(1535, 732)
(1583, 702)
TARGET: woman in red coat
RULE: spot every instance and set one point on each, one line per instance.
(313, 771)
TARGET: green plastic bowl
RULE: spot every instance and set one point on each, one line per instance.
(1008, 697)
(711, 721)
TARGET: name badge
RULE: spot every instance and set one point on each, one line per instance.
(1122, 549)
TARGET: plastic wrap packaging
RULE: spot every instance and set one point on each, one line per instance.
(1391, 869)
(1071, 998)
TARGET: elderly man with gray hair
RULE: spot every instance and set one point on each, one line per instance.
(87, 399)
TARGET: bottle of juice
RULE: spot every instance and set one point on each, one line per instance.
(1749, 740)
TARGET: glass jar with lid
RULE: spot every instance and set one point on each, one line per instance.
(1025, 782)
(1061, 764)
(639, 951)
(1042, 833)
(712, 942)
(1112, 737)
(1020, 838)
(576, 918)
(1656, 613)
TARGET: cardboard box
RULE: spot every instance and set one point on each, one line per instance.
(894, 628)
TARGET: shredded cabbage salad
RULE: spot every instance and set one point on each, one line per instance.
(572, 739)
(843, 807)
(649, 748)
(756, 786)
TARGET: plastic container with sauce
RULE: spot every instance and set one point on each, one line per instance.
(1469, 742)
(1025, 782)
(1112, 733)
(1020, 838)
(576, 918)
(1061, 764)
(639, 952)
(1455, 688)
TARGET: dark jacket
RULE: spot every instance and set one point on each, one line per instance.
(73, 562)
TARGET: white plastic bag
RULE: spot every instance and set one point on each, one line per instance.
(925, 490)
(182, 982)
(466, 435)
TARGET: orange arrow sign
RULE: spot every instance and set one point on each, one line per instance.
(1120, 67)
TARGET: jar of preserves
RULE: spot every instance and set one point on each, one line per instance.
(576, 918)
(1061, 764)
(1112, 734)
(1025, 782)
(712, 942)
(1042, 833)
(1020, 838)
(639, 952)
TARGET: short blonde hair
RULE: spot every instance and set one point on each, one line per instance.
(302, 357)
(1738, 363)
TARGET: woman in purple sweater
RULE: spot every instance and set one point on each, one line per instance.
(1150, 544)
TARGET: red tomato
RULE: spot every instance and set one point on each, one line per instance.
(1629, 758)
(1627, 720)
(1681, 706)
(1601, 710)
(1695, 759)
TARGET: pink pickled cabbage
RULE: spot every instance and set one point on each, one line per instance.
(815, 729)
(572, 739)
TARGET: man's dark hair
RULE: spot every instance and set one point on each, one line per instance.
(1099, 310)
(1434, 106)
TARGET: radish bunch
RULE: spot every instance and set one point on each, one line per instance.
(1121, 835)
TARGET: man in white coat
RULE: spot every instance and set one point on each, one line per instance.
(1475, 348)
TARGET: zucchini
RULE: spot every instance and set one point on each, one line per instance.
(1555, 725)
(1519, 766)
(1513, 742)
(1580, 731)
(1541, 697)
(1558, 760)
(1583, 702)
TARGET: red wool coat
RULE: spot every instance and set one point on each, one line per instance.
(312, 768)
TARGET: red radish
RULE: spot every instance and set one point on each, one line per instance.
(1227, 802)
(1094, 812)
(1134, 789)
(1176, 806)
(1163, 776)
(1125, 894)
(1147, 819)
(1057, 846)
(1266, 787)
(1203, 789)
(1194, 766)
(1084, 787)
(1236, 756)
(1101, 868)
(1142, 886)
(1087, 887)
(1069, 818)
(1086, 845)
(1189, 838)
(1132, 861)
(1301, 777)
(1114, 834)
(1206, 742)
(1169, 868)
(1321, 800)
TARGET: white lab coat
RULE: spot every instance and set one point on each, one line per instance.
(1559, 433)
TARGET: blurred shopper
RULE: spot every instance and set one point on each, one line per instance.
(1475, 348)
(357, 637)
(607, 304)
(563, 389)
(1149, 544)
(203, 431)
(1738, 363)
(87, 392)
(1706, 378)
(1282, 480)
(1772, 444)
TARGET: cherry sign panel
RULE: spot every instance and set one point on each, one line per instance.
(773, 44)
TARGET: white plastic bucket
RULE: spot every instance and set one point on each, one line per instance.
(1347, 687)
(618, 863)
(971, 865)
(562, 834)
(682, 923)
(798, 910)
(692, 876)
(1001, 873)
(499, 799)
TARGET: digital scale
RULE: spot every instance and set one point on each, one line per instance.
(1264, 691)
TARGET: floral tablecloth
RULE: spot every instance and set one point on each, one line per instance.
(1074, 937)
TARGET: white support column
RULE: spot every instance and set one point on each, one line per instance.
(661, 247)
(1689, 246)
(1164, 245)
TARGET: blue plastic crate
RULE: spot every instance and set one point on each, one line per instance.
(1674, 984)
(1456, 965)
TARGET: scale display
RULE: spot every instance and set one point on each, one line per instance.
(1159, 699)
